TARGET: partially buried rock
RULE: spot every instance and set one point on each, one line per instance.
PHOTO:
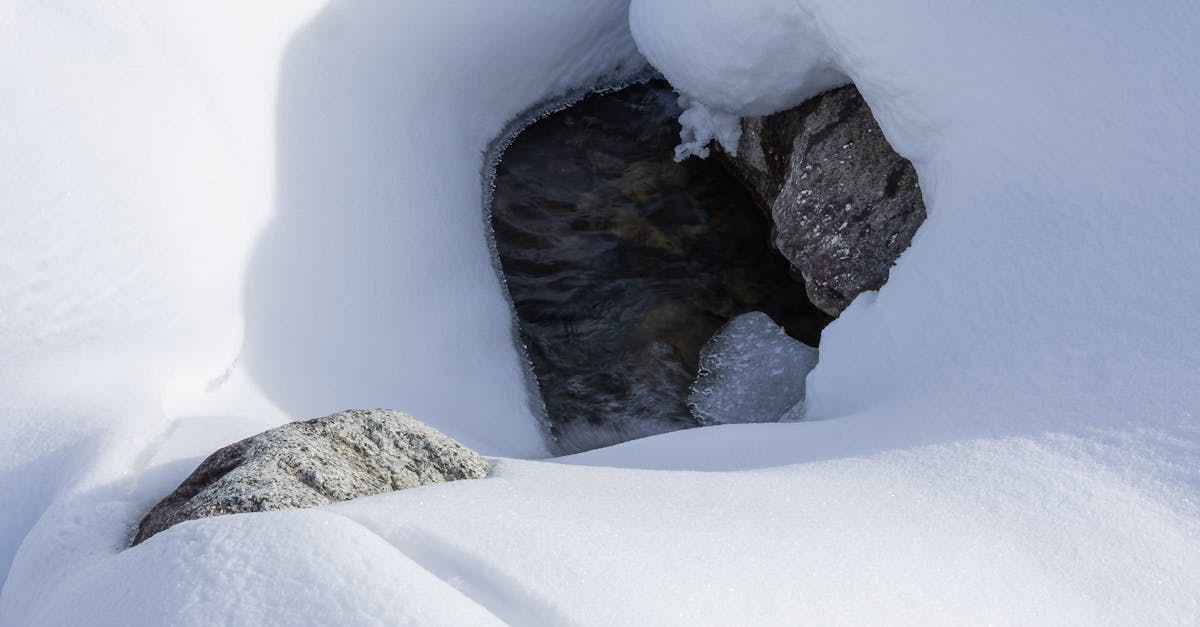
(751, 371)
(305, 464)
(843, 203)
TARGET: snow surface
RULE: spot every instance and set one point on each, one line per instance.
(221, 217)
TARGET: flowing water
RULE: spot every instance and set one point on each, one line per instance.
(622, 263)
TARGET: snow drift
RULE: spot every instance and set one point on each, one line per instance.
(1005, 433)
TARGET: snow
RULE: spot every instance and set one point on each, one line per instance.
(699, 125)
(221, 217)
(229, 574)
(748, 58)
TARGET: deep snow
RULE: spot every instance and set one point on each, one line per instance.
(218, 218)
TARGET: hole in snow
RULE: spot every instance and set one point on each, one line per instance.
(622, 264)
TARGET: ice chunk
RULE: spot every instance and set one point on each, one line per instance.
(750, 371)
(699, 125)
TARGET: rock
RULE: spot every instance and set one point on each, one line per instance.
(844, 204)
(305, 464)
(750, 371)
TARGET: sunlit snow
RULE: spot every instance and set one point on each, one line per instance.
(221, 216)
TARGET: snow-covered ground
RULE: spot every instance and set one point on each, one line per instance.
(220, 217)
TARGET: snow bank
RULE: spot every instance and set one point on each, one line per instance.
(219, 218)
(746, 58)
(1005, 433)
(136, 160)
(1054, 271)
(1047, 302)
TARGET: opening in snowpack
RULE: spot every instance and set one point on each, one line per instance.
(622, 264)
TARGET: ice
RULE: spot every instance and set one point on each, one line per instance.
(700, 125)
(750, 371)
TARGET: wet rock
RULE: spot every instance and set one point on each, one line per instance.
(751, 371)
(305, 464)
(621, 264)
(843, 203)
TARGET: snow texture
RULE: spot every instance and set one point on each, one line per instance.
(750, 371)
(220, 216)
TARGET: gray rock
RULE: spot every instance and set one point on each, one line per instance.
(844, 204)
(305, 464)
(751, 371)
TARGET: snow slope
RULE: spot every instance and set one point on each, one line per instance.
(225, 217)
(1004, 434)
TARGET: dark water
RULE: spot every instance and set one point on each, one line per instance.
(622, 263)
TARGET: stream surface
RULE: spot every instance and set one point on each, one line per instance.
(621, 264)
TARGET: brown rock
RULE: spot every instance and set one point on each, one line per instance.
(843, 203)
